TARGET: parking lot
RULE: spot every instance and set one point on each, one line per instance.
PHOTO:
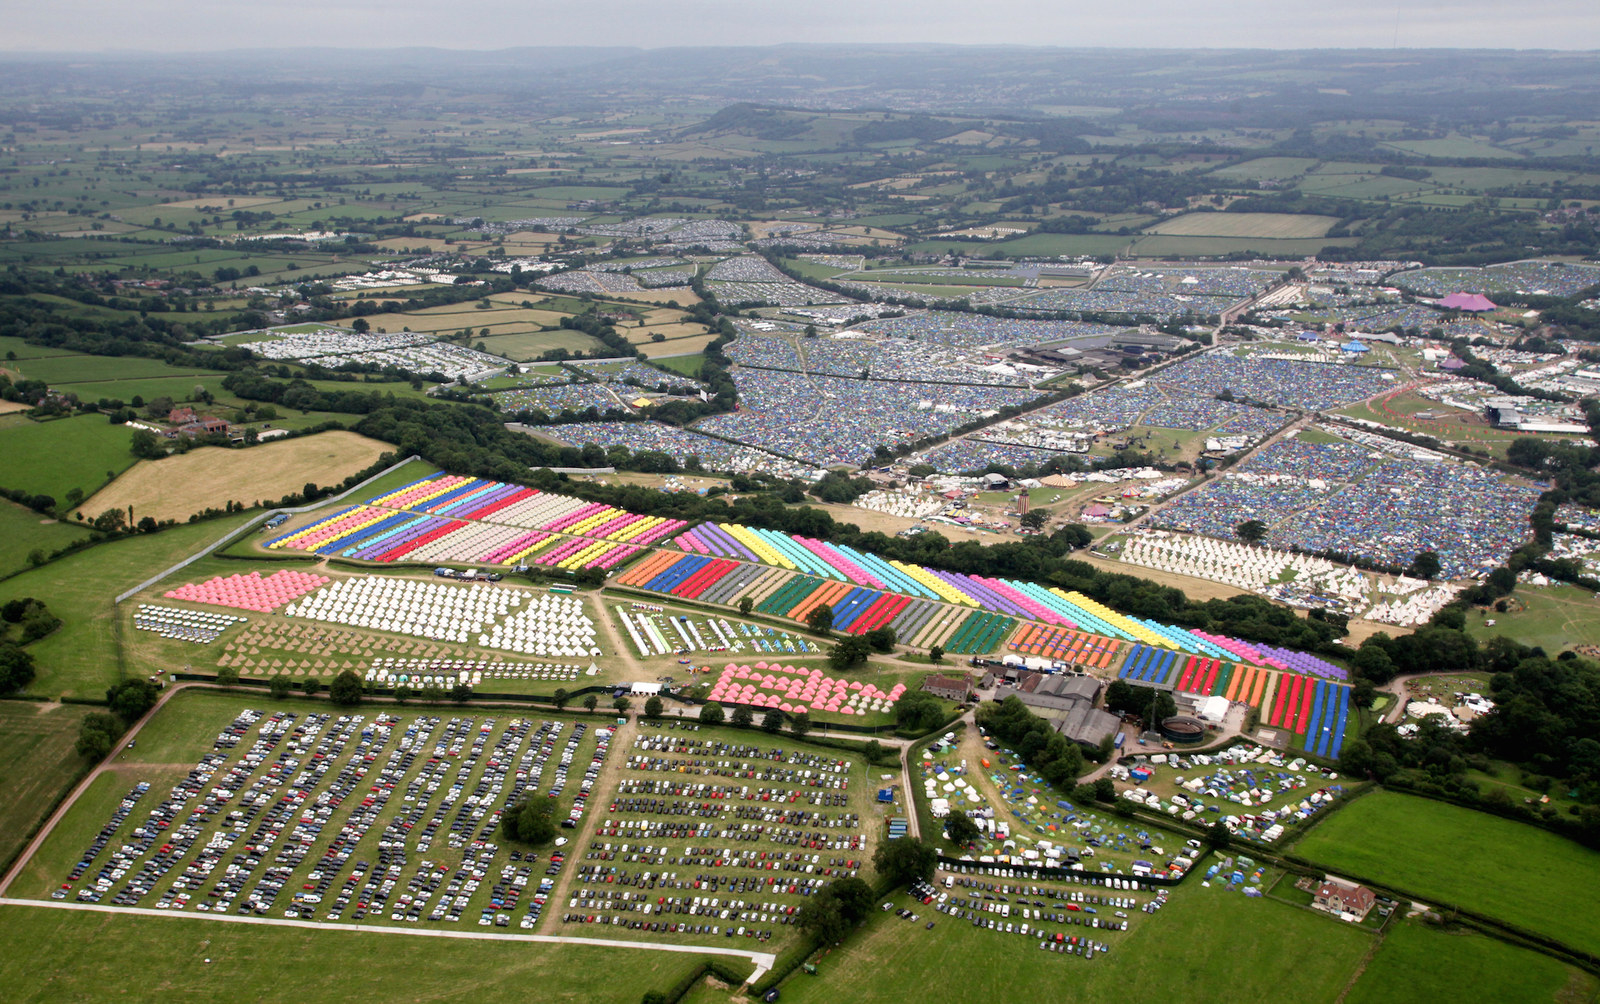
(1080, 916)
(370, 818)
(716, 834)
(668, 833)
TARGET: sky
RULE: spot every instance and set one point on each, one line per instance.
(192, 25)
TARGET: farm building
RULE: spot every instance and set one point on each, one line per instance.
(1072, 700)
(1088, 726)
(1348, 902)
(950, 688)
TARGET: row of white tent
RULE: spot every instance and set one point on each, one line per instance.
(422, 609)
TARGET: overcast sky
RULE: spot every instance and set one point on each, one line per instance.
(187, 25)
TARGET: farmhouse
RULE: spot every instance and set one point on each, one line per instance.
(1348, 902)
(950, 688)
(1068, 700)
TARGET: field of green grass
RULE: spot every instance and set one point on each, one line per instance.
(23, 531)
(59, 955)
(36, 747)
(65, 371)
(1423, 964)
(80, 658)
(1507, 870)
(1555, 618)
(56, 456)
(1219, 946)
(1258, 225)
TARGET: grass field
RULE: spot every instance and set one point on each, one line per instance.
(1494, 866)
(1555, 618)
(1219, 945)
(92, 956)
(65, 371)
(23, 531)
(1425, 964)
(687, 365)
(1268, 168)
(210, 477)
(1270, 225)
(36, 747)
(1159, 245)
(691, 346)
(80, 658)
(527, 345)
(57, 456)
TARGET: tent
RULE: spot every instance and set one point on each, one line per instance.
(1474, 302)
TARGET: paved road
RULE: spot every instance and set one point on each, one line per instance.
(763, 961)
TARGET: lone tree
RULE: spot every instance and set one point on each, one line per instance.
(772, 721)
(590, 702)
(132, 698)
(228, 676)
(820, 619)
(712, 714)
(560, 698)
(1425, 565)
(529, 822)
(97, 734)
(936, 654)
(799, 723)
(345, 689)
(652, 708)
(1251, 530)
(622, 704)
(882, 639)
(1034, 519)
(851, 651)
(742, 717)
(961, 829)
(279, 686)
(834, 910)
(1218, 836)
(905, 860)
(746, 604)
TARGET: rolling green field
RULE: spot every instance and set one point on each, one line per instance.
(1227, 948)
(80, 659)
(23, 531)
(68, 370)
(1556, 618)
(1494, 866)
(54, 457)
(94, 955)
(36, 747)
(1426, 964)
(1269, 225)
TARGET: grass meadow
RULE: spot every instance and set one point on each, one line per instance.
(80, 658)
(1435, 851)
(1419, 964)
(57, 456)
(36, 746)
(23, 531)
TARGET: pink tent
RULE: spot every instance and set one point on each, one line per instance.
(1472, 302)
